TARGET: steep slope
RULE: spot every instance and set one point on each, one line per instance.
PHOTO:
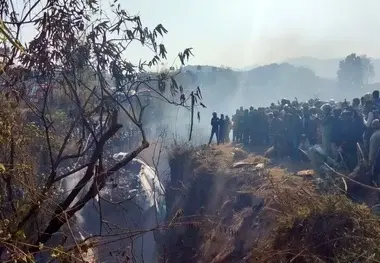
(225, 205)
(214, 202)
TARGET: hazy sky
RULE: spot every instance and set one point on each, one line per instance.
(241, 33)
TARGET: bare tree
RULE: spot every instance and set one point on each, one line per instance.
(78, 61)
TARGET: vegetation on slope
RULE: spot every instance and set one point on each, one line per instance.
(316, 228)
(294, 223)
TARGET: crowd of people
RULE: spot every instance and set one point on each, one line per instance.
(292, 125)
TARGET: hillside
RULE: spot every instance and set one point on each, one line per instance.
(327, 68)
(303, 78)
(256, 87)
(225, 205)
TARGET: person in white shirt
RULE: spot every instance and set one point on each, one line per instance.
(368, 118)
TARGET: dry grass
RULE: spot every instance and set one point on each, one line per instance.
(220, 159)
(297, 224)
(214, 158)
(310, 227)
(315, 228)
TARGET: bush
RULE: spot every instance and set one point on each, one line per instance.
(316, 228)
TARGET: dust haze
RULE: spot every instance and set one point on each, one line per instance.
(252, 34)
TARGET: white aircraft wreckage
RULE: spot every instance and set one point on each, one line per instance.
(150, 193)
(133, 199)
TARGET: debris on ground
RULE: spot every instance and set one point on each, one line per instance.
(306, 173)
(260, 166)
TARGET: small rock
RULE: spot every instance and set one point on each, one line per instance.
(260, 166)
(306, 173)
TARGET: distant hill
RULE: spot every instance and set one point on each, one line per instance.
(227, 88)
(303, 78)
(327, 68)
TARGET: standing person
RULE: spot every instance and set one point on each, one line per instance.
(214, 128)
(326, 126)
(312, 126)
(240, 125)
(337, 130)
(222, 128)
(374, 146)
(356, 103)
(297, 128)
(362, 103)
(245, 126)
(235, 128)
(376, 99)
(358, 126)
(368, 118)
(228, 129)
(277, 134)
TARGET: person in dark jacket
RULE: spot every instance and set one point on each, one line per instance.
(326, 126)
(222, 128)
(214, 128)
(245, 125)
(337, 125)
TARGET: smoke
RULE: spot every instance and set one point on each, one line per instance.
(69, 183)
(263, 32)
(266, 48)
